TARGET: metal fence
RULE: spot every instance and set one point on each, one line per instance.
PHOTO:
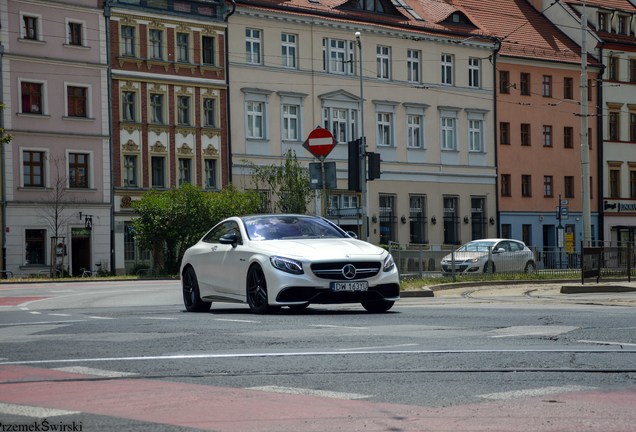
(425, 261)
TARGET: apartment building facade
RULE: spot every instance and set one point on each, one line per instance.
(168, 105)
(611, 39)
(420, 80)
(56, 170)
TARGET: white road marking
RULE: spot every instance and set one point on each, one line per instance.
(32, 411)
(98, 317)
(377, 347)
(93, 371)
(158, 318)
(336, 326)
(310, 392)
(607, 343)
(518, 394)
(59, 314)
(237, 320)
(39, 322)
(521, 331)
(35, 313)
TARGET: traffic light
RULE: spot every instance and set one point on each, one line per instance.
(354, 166)
(374, 165)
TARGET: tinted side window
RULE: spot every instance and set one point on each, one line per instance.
(515, 247)
(214, 234)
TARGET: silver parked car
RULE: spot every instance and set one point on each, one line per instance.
(274, 260)
(489, 255)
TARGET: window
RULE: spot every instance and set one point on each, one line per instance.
(474, 68)
(288, 50)
(414, 130)
(632, 183)
(31, 94)
(185, 170)
(209, 112)
(74, 33)
(524, 84)
(548, 186)
(589, 89)
(33, 168)
(479, 223)
(525, 134)
(526, 185)
(383, 61)
(77, 101)
(602, 21)
(413, 65)
(448, 131)
(504, 133)
(78, 170)
(291, 117)
(128, 105)
(253, 46)
(183, 47)
(612, 74)
(35, 246)
(475, 135)
(505, 185)
(447, 69)
(506, 231)
(388, 220)
(385, 129)
(127, 40)
(632, 70)
(417, 219)
(158, 171)
(614, 124)
(342, 123)
(255, 112)
(183, 110)
(208, 50)
(568, 88)
(504, 82)
(451, 220)
(156, 108)
(547, 136)
(526, 234)
(568, 186)
(155, 44)
(210, 173)
(130, 171)
(337, 56)
(370, 5)
(632, 127)
(622, 25)
(615, 182)
(546, 86)
(30, 27)
(568, 137)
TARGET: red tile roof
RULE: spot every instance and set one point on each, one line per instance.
(623, 5)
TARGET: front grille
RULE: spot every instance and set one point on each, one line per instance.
(333, 270)
(458, 268)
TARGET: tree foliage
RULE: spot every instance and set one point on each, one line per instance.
(171, 221)
(287, 182)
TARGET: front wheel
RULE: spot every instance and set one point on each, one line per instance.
(377, 306)
(191, 295)
(489, 267)
(257, 298)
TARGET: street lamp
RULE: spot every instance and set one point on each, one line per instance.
(363, 150)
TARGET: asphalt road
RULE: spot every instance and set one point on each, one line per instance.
(125, 356)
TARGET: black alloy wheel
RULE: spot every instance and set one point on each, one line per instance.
(191, 295)
(257, 291)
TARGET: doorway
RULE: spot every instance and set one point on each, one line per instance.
(80, 250)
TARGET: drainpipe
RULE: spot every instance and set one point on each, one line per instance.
(3, 168)
(109, 77)
(599, 139)
(228, 117)
(495, 52)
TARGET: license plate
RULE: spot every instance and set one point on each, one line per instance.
(349, 286)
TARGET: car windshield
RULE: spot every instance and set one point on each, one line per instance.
(477, 246)
(282, 227)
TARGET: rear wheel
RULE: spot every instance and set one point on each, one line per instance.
(529, 267)
(191, 295)
(257, 298)
(377, 306)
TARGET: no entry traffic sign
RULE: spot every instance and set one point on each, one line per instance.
(320, 142)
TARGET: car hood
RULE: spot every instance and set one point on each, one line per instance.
(323, 248)
(462, 256)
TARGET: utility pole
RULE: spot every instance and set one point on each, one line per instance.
(364, 205)
(585, 149)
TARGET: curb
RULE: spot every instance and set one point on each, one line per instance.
(586, 289)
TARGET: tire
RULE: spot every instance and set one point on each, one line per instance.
(378, 306)
(489, 267)
(530, 267)
(191, 295)
(256, 291)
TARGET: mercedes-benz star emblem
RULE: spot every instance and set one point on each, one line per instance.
(349, 271)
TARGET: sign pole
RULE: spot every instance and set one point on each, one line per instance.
(364, 205)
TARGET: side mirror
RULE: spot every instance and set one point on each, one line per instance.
(500, 250)
(352, 234)
(230, 238)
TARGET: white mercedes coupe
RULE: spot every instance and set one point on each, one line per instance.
(274, 260)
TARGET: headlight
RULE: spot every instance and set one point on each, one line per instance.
(287, 265)
(388, 263)
(473, 260)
